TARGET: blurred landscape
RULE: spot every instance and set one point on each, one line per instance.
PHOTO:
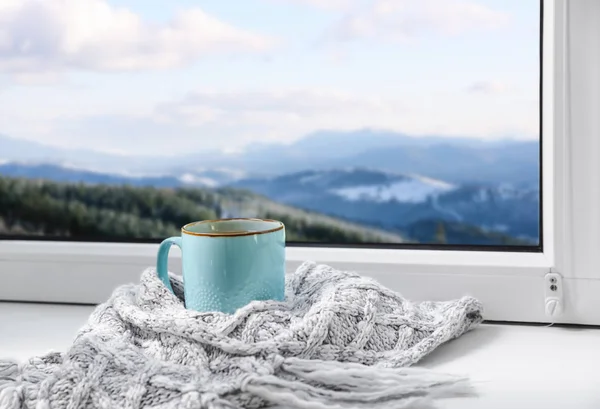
(354, 122)
(489, 195)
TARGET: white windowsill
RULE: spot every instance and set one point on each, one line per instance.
(512, 366)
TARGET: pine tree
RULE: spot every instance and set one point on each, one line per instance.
(440, 234)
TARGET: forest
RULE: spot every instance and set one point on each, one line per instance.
(36, 207)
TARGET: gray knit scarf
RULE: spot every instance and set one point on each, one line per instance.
(338, 341)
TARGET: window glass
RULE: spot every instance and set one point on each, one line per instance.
(380, 122)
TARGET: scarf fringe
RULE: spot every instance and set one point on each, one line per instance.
(314, 384)
(330, 384)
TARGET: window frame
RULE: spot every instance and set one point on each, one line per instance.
(511, 285)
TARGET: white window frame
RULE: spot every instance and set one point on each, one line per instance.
(512, 286)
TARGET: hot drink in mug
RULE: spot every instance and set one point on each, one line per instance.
(228, 263)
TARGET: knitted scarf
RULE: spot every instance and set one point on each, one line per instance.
(339, 340)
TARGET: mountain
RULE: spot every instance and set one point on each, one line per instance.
(20, 149)
(351, 185)
(58, 173)
(209, 177)
(25, 151)
(331, 144)
(396, 201)
(516, 162)
(349, 143)
(454, 160)
(12, 149)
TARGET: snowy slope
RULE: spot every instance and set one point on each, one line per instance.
(414, 189)
(67, 172)
(196, 180)
(396, 201)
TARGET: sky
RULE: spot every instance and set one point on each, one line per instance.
(147, 77)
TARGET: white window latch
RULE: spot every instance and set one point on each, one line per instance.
(554, 302)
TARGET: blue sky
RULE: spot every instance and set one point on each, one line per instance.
(191, 75)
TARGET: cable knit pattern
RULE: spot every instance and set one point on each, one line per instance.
(339, 340)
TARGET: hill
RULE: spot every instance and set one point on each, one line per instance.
(396, 201)
(390, 206)
(126, 212)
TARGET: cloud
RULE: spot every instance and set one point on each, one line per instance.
(487, 87)
(279, 111)
(403, 20)
(233, 119)
(56, 35)
(215, 120)
(245, 117)
(301, 102)
(37, 78)
(321, 4)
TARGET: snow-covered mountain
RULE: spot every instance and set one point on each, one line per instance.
(454, 160)
(355, 184)
(209, 177)
(413, 189)
(397, 201)
(72, 173)
(401, 203)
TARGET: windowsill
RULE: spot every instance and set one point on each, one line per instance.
(512, 366)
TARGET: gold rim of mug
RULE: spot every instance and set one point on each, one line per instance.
(185, 228)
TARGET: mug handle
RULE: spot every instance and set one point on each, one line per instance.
(162, 260)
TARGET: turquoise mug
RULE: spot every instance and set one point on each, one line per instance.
(228, 263)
